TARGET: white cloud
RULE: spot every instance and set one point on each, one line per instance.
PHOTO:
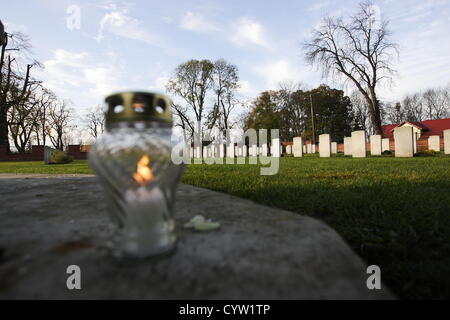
(159, 84)
(277, 72)
(74, 76)
(248, 31)
(122, 25)
(246, 89)
(63, 68)
(195, 22)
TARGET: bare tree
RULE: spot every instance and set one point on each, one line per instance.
(225, 81)
(413, 108)
(15, 84)
(59, 118)
(95, 122)
(46, 99)
(192, 81)
(22, 120)
(437, 103)
(358, 50)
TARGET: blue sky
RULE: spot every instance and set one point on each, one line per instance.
(137, 44)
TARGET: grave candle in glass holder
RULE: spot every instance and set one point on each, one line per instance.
(133, 162)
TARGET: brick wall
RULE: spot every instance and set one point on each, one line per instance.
(37, 154)
(76, 152)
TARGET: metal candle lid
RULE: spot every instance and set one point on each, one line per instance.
(138, 106)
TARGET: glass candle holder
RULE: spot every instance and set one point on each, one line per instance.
(132, 160)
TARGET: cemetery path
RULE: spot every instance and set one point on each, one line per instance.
(50, 222)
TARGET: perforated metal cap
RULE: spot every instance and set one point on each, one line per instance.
(138, 106)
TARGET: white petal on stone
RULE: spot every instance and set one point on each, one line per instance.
(199, 223)
(205, 226)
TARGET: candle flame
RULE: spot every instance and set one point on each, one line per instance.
(143, 174)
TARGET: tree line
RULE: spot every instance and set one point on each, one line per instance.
(30, 113)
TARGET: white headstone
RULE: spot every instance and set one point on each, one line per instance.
(304, 149)
(334, 147)
(253, 150)
(324, 146)
(264, 149)
(375, 145)
(385, 145)
(298, 148)
(198, 152)
(289, 149)
(276, 148)
(308, 148)
(447, 141)
(359, 147)
(434, 143)
(230, 150)
(404, 144)
(348, 146)
(221, 150)
(244, 151)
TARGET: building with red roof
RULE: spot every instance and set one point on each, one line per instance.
(422, 129)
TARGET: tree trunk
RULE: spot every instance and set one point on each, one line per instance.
(4, 141)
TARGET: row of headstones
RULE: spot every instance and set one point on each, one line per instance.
(405, 143)
(219, 150)
(355, 146)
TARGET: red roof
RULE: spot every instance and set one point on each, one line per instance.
(427, 127)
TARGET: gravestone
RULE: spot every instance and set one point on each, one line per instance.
(298, 148)
(191, 152)
(324, 145)
(434, 143)
(385, 145)
(404, 144)
(230, 150)
(198, 152)
(48, 155)
(447, 141)
(308, 148)
(244, 151)
(221, 150)
(375, 145)
(253, 150)
(288, 149)
(235, 261)
(205, 152)
(264, 150)
(334, 147)
(276, 148)
(304, 148)
(359, 148)
(348, 146)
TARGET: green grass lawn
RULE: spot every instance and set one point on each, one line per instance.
(77, 166)
(394, 213)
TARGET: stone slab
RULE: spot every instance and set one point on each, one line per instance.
(297, 147)
(375, 145)
(334, 147)
(447, 141)
(324, 146)
(359, 147)
(434, 143)
(385, 144)
(348, 146)
(51, 222)
(404, 144)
